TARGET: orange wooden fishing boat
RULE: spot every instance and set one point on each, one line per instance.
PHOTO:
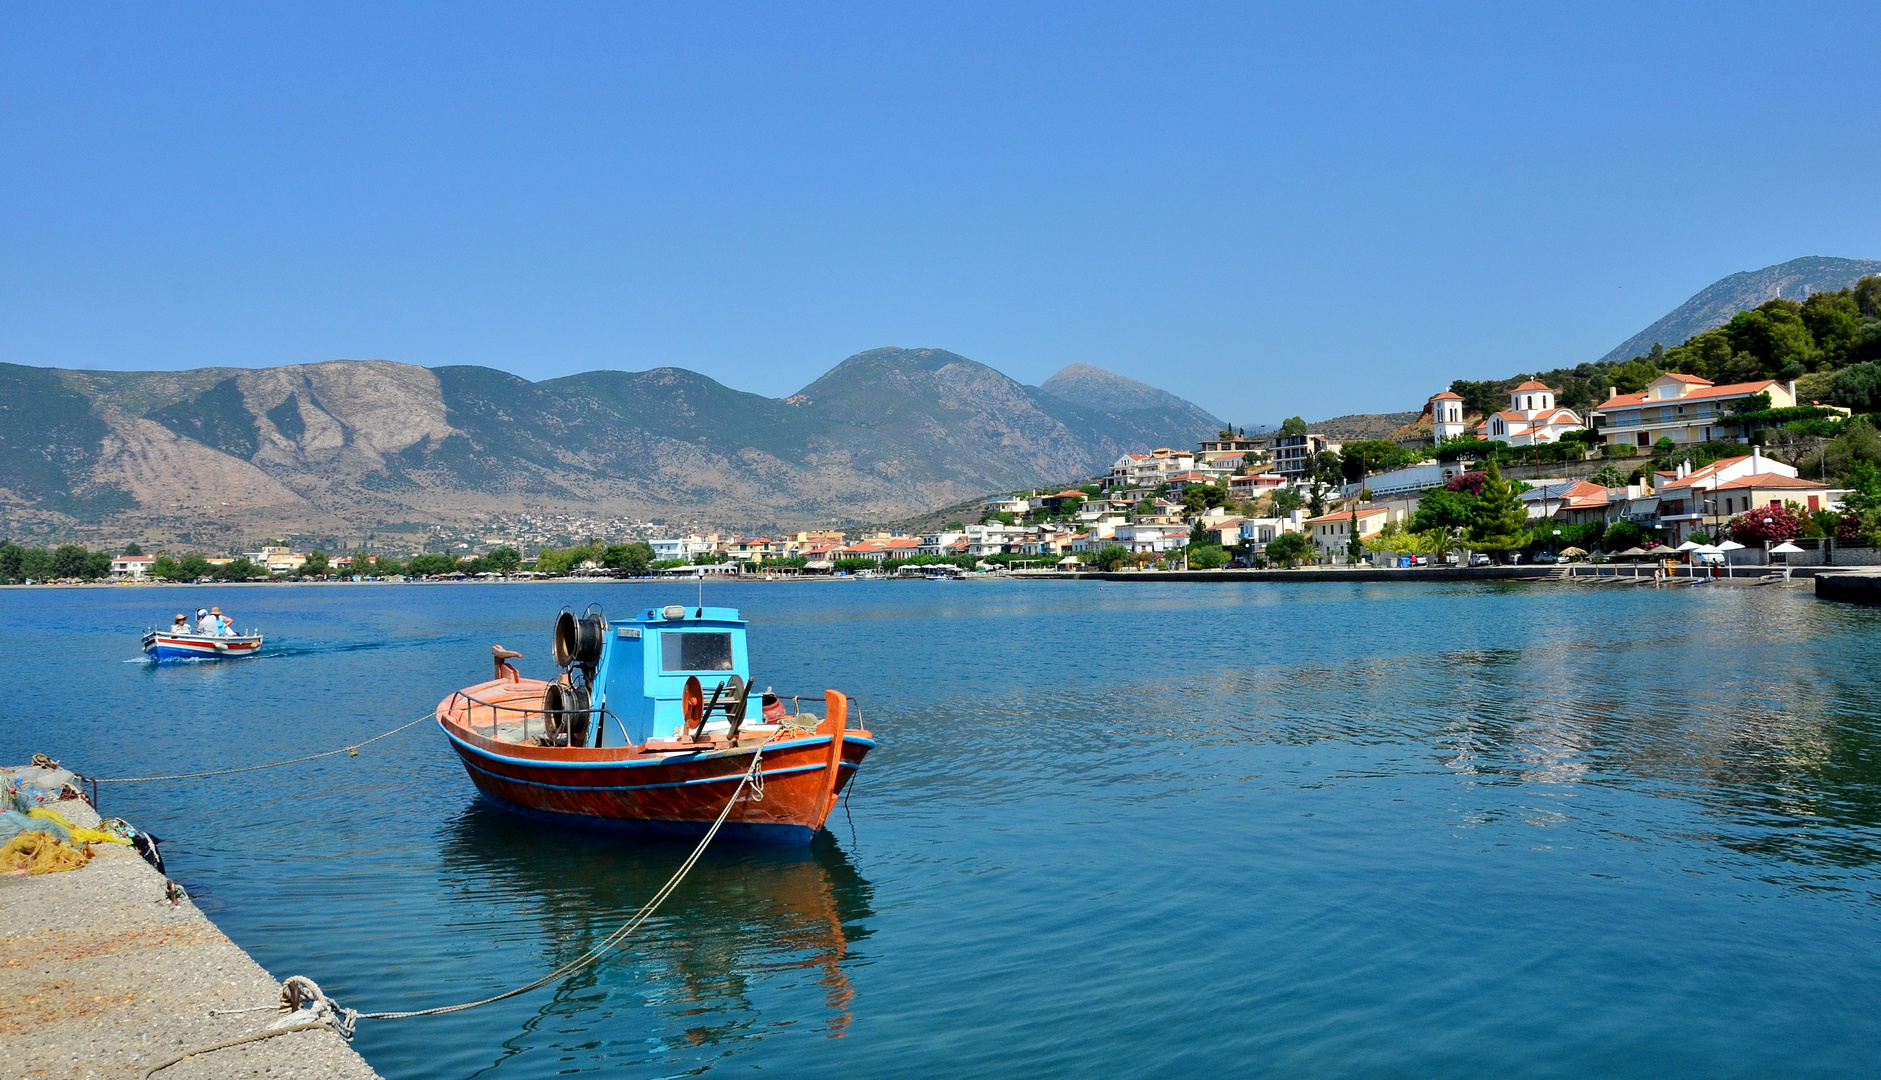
(649, 728)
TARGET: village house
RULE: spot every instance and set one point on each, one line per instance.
(1149, 470)
(1247, 488)
(1330, 531)
(1530, 419)
(1683, 408)
(1293, 454)
(131, 567)
(276, 560)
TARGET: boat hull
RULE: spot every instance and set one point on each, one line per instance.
(670, 793)
(160, 646)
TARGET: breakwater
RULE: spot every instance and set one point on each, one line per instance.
(107, 971)
(1850, 586)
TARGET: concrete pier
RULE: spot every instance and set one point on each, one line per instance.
(102, 976)
(1850, 586)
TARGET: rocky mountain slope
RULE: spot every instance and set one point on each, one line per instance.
(1717, 302)
(341, 448)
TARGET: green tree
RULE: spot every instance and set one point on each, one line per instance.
(1500, 522)
(68, 561)
(1354, 544)
(11, 559)
(1289, 548)
(317, 564)
(1293, 425)
(1207, 557)
(1286, 500)
(632, 559)
(430, 565)
(507, 560)
(133, 548)
(1622, 535)
(97, 565)
(194, 568)
(239, 570)
(1444, 509)
(1608, 476)
(1111, 557)
(36, 564)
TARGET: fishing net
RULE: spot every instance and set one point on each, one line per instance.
(40, 853)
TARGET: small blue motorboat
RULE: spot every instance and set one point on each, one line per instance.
(180, 644)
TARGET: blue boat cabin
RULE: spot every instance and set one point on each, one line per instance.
(648, 658)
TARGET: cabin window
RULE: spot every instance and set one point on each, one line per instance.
(695, 652)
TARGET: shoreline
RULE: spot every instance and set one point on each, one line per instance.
(102, 975)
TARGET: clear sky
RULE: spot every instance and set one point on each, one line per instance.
(1310, 209)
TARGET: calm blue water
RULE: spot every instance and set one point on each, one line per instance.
(1122, 830)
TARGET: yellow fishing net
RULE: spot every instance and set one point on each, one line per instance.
(83, 836)
(40, 853)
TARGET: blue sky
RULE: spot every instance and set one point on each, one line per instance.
(1271, 210)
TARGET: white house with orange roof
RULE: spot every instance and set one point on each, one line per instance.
(1690, 499)
(1532, 417)
(1683, 408)
(1446, 416)
(1331, 531)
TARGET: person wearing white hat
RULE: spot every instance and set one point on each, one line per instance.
(205, 624)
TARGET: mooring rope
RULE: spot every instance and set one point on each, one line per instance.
(326, 1013)
(352, 750)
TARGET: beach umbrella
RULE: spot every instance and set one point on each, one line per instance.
(1730, 545)
(1632, 553)
(1689, 545)
(1707, 549)
(1786, 548)
(1573, 553)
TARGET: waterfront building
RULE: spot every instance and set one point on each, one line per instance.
(1683, 408)
(1330, 531)
(131, 567)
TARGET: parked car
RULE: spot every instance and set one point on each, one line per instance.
(1479, 559)
(1545, 557)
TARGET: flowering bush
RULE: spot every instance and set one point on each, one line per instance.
(1786, 522)
(1471, 482)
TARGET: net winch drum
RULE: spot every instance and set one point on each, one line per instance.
(579, 640)
(565, 711)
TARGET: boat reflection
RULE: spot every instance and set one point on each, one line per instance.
(749, 928)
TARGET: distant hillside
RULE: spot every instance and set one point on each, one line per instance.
(1362, 425)
(1095, 388)
(1720, 300)
(341, 448)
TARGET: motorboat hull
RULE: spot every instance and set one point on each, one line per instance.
(168, 646)
(660, 789)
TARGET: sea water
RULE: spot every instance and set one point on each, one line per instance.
(1109, 830)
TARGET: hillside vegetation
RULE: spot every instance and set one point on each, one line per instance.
(1832, 338)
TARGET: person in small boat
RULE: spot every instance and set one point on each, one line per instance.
(205, 623)
(180, 624)
(225, 626)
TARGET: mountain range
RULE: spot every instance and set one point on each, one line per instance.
(1717, 302)
(340, 448)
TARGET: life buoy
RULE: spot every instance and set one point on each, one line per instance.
(692, 707)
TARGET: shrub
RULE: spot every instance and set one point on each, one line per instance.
(1207, 557)
(1774, 523)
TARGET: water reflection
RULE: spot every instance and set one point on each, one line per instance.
(747, 923)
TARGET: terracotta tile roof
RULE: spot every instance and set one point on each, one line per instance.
(1584, 495)
(1532, 385)
(1771, 480)
(1346, 515)
(1446, 396)
(1704, 392)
